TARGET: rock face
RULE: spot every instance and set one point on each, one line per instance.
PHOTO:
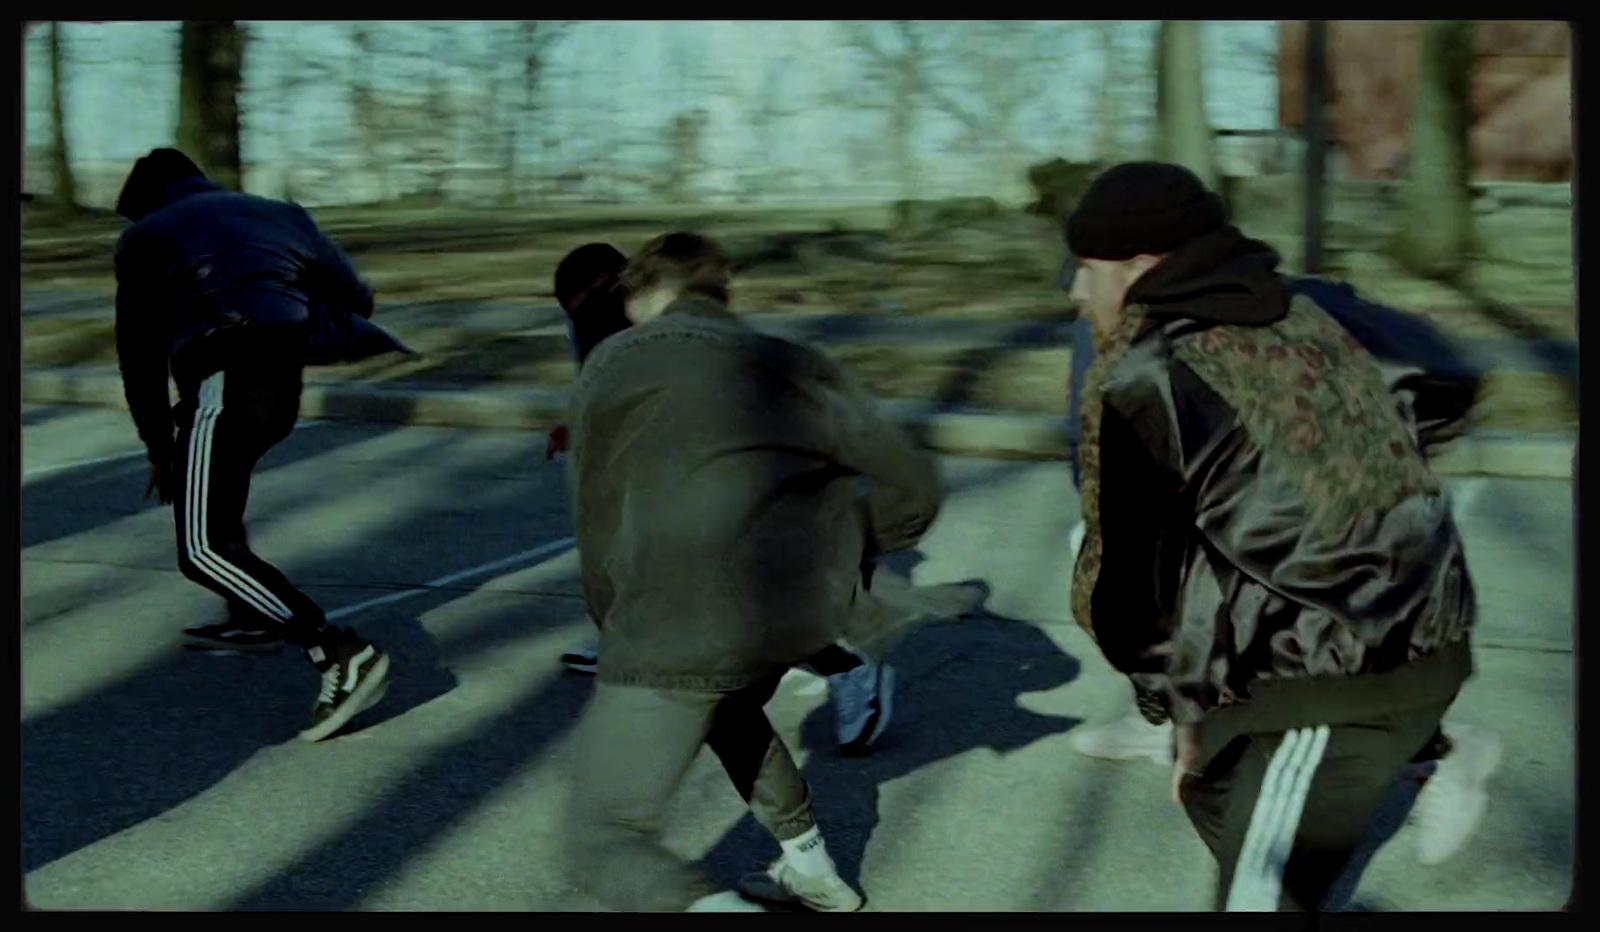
(1521, 96)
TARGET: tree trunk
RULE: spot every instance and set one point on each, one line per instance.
(210, 69)
(1437, 236)
(369, 118)
(65, 184)
(1107, 143)
(1182, 134)
(906, 77)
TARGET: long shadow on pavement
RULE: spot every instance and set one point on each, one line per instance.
(958, 689)
(433, 797)
(131, 752)
(147, 743)
(75, 501)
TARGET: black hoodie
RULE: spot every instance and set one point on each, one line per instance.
(207, 277)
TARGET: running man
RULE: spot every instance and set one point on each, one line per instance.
(234, 295)
(860, 689)
(720, 532)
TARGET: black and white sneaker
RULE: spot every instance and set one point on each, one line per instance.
(585, 660)
(354, 678)
(862, 700)
(235, 637)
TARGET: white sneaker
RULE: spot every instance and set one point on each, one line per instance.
(1127, 738)
(585, 659)
(728, 901)
(1451, 805)
(863, 700)
(782, 884)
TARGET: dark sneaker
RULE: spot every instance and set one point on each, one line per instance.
(585, 659)
(354, 679)
(233, 637)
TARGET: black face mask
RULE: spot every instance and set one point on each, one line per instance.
(600, 314)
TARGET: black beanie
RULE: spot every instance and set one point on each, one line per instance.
(1142, 208)
(584, 266)
(151, 176)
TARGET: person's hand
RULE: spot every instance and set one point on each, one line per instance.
(160, 483)
(557, 443)
(1188, 749)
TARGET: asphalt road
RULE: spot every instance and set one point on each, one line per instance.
(153, 778)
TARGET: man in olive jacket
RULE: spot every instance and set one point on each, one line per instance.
(721, 524)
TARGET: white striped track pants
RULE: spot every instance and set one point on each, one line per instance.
(1283, 813)
(237, 417)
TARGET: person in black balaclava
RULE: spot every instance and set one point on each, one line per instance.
(233, 295)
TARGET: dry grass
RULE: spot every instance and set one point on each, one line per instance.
(999, 269)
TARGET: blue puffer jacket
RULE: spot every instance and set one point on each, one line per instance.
(1439, 381)
(207, 277)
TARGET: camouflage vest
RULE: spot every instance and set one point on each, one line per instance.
(1307, 394)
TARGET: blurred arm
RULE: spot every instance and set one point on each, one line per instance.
(905, 493)
(143, 332)
(339, 283)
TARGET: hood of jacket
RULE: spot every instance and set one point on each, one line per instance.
(1221, 278)
(162, 178)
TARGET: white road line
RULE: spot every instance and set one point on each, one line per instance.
(114, 457)
(513, 560)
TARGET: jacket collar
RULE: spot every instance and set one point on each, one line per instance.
(701, 306)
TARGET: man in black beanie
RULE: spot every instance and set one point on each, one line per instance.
(233, 295)
(1266, 554)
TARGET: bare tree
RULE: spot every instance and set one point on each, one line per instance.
(65, 183)
(1108, 119)
(369, 111)
(980, 74)
(210, 69)
(1437, 236)
(685, 144)
(533, 40)
(1182, 133)
(439, 112)
(983, 75)
(903, 71)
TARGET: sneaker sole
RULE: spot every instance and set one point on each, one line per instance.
(585, 667)
(763, 889)
(1479, 790)
(367, 695)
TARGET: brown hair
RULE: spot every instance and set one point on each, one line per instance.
(689, 261)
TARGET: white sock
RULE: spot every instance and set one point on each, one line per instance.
(807, 854)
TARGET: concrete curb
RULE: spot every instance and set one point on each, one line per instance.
(975, 433)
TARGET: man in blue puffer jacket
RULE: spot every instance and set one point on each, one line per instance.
(233, 295)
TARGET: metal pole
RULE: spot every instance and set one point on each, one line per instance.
(1316, 138)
